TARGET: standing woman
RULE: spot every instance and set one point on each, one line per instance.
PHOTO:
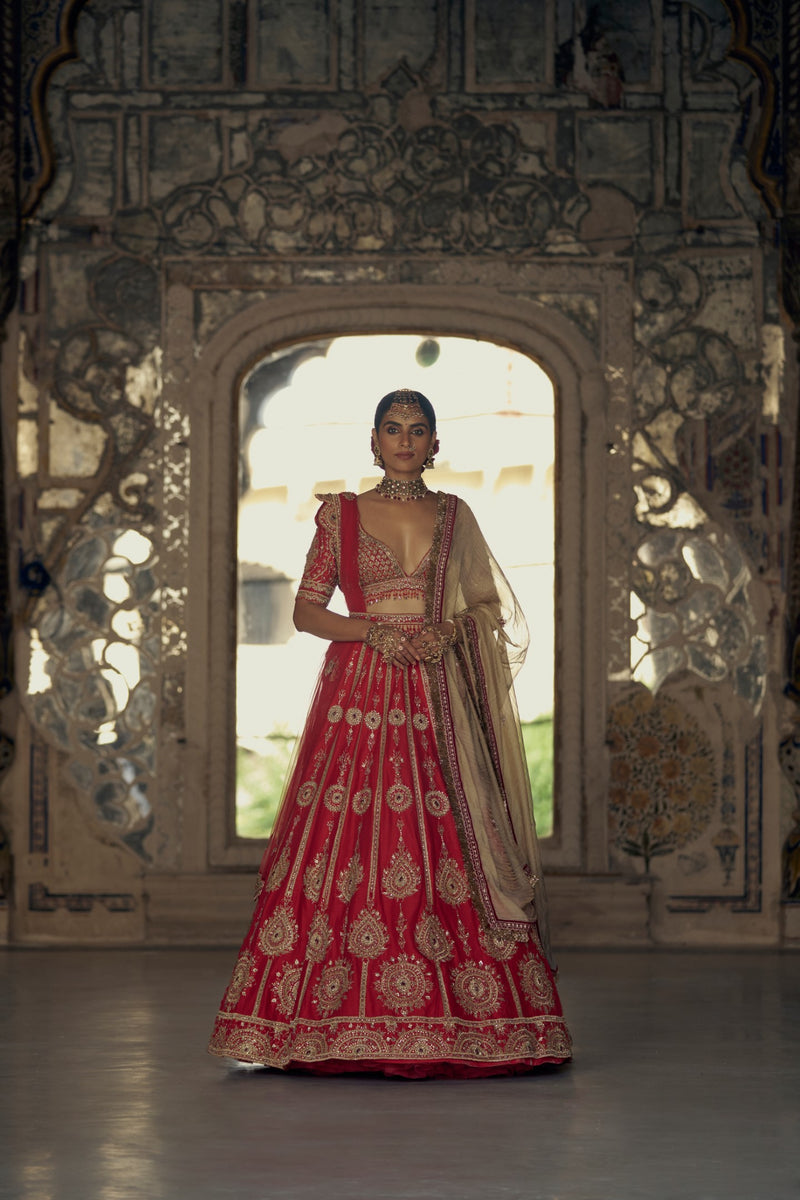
(399, 923)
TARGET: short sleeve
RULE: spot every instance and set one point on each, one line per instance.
(321, 575)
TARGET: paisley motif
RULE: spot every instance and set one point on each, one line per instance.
(402, 877)
(285, 988)
(279, 934)
(451, 882)
(432, 938)
(368, 936)
(319, 938)
(536, 982)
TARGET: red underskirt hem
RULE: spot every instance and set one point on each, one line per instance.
(429, 1070)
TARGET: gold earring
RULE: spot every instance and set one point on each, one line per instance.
(429, 464)
(377, 458)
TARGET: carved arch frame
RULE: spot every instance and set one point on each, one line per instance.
(210, 380)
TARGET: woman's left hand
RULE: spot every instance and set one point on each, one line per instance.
(433, 640)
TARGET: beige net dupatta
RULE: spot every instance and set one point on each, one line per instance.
(478, 730)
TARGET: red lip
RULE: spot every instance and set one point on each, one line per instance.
(404, 454)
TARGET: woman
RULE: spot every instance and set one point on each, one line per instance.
(399, 923)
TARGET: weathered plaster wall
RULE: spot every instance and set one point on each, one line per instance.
(232, 174)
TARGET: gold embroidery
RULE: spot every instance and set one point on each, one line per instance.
(353, 716)
(319, 938)
(398, 797)
(413, 1038)
(285, 988)
(334, 797)
(368, 936)
(432, 938)
(279, 934)
(451, 883)
(258, 888)
(310, 1046)
(498, 947)
(362, 801)
(476, 988)
(358, 1043)
(278, 872)
(372, 720)
(536, 983)
(314, 877)
(306, 792)
(437, 803)
(420, 721)
(402, 877)
(335, 713)
(403, 983)
(396, 717)
(420, 1044)
(243, 975)
(332, 986)
(349, 879)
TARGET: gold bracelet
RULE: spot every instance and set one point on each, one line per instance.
(385, 639)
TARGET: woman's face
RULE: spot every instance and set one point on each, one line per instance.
(404, 439)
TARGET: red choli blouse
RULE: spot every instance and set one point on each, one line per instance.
(365, 568)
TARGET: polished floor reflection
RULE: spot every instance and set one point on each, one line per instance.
(685, 1086)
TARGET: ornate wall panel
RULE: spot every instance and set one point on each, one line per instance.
(215, 157)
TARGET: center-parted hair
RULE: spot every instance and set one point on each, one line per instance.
(410, 398)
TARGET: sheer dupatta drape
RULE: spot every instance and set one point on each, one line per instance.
(478, 730)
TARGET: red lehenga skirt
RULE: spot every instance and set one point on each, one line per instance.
(366, 952)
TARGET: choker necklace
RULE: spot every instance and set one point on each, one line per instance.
(402, 489)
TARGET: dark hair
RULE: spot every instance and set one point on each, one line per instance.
(407, 397)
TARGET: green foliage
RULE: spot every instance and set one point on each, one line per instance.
(537, 737)
(259, 784)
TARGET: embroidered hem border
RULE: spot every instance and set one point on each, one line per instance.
(425, 1040)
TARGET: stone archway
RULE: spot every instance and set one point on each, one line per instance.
(204, 381)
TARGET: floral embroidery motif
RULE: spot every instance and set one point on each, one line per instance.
(319, 938)
(335, 713)
(396, 717)
(432, 938)
(368, 936)
(279, 934)
(420, 722)
(536, 982)
(243, 974)
(278, 871)
(451, 883)
(306, 792)
(404, 983)
(476, 988)
(349, 879)
(372, 720)
(353, 716)
(334, 797)
(314, 877)
(332, 986)
(498, 947)
(398, 797)
(402, 877)
(285, 988)
(362, 801)
(437, 803)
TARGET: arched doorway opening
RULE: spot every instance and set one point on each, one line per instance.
(305, 413)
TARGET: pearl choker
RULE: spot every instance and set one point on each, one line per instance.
(402, 489)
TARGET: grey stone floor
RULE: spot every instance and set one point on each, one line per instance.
(685, 1086)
